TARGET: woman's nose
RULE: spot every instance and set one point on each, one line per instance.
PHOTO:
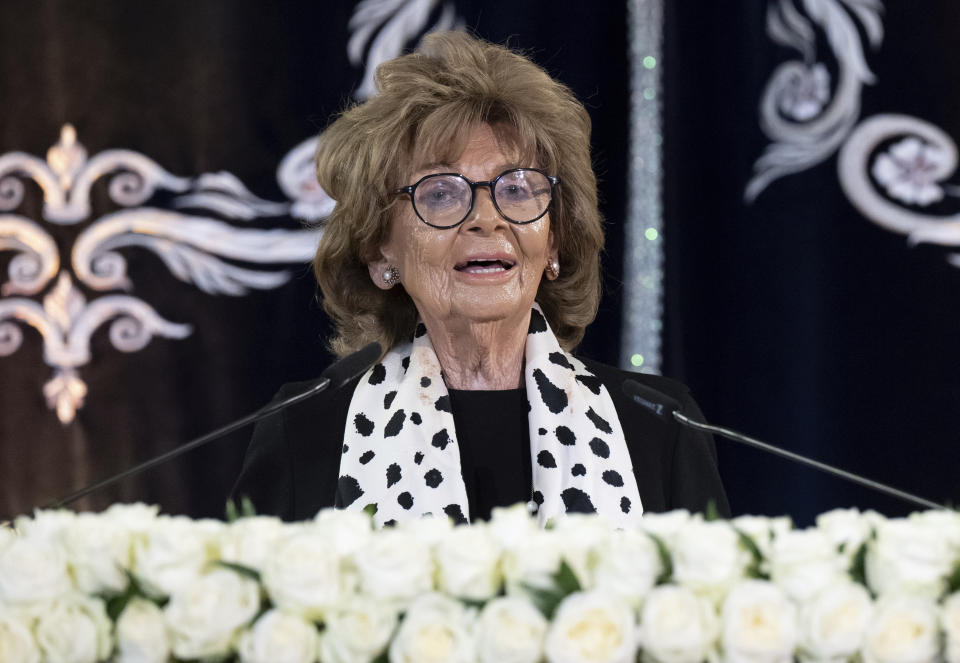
(484, 216)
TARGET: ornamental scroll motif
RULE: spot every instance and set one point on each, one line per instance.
(893, 168)
(196, 248)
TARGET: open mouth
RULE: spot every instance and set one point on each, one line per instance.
(484, 266)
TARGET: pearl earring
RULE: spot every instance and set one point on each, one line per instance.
(391, 276)
(553, 268)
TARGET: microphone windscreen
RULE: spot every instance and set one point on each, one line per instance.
(654, 401)
(343, 370)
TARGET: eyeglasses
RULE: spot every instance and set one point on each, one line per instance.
(445, 200)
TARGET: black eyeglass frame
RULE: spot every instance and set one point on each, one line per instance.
(411, 188)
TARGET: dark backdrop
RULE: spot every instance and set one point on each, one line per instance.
(793, 317)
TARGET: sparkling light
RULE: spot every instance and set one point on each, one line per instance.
(637, 360)
(651, 234)
(649, 62)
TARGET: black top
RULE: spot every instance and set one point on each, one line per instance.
(293, 461)
(494, 450)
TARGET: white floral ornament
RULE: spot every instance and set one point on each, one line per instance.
(909, 171)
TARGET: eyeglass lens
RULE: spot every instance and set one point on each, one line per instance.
(520, 195)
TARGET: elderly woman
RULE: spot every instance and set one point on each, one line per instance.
(466, 240)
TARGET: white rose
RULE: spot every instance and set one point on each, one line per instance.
(136, 517)
(250, 542)
(74, 629)
(510, 630)
(173, 553)
(627, 565)
(708, 558)
(436, 629)
(142, 634)
(580, 536)
(469, 563)
(532, 562)
(429, 530)
(592, 626)
(803, 562)
(832, 625)
(357, 631)
(950, 620)
(665, 526)
(762, 530)
(347, 531)
(278, 637)
(205, 617)
(7, 536)
(759, 624)
(33, 570)
(510, 526)
(44, 525)
(395, 566)
(846, 528)
(677, 626)
(945, 522)
(908, 557)
(903, 630)
(303, 574)
(98, 552)
(16, 640)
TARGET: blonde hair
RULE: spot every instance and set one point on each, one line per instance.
(426, 104)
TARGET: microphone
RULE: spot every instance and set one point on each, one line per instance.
(335, 376)
(668, 408)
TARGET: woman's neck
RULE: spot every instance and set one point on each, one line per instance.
(480, 356)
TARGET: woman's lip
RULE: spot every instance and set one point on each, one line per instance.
(485, 275)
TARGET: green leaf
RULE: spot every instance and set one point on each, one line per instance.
(755, 567)
(858, 566)
(566, 580)
(666, 562)
(544, 600)
(370, 510)
(245, 571)
(246, 510)
(711, 513)
(953, 581)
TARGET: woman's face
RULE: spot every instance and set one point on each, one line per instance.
(484, 270)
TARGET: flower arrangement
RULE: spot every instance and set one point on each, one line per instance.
(130, 585)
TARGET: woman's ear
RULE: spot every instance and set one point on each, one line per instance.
(383, 272)
(553, 257)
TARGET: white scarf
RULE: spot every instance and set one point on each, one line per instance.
(400, 449)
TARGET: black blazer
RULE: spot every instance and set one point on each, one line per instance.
(293, 461)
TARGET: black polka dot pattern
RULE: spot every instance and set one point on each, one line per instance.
(402, 442)
(348, 490)
(546, 459)
(591, 382)
(433, 478)
(599, 421)
(395, 425)
(613, 478)
(378, 375)
(388, 400)
(553, 396)
(600, 448)
(566, 436)
(363, 425)
(538, 323)
(441, 439)
(393, 474)
(577, 501)
(560, 359)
